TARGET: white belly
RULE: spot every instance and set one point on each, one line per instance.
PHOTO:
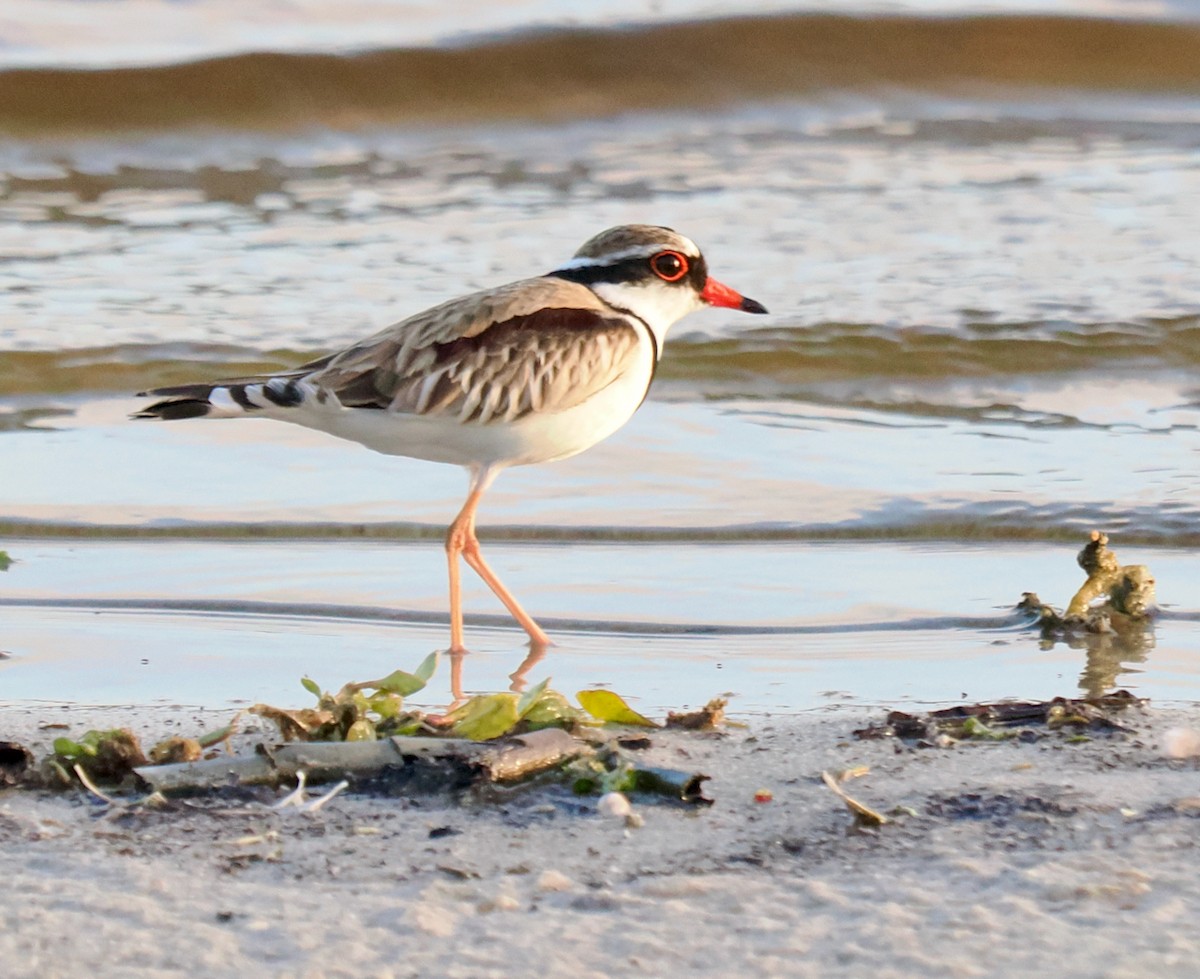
(538, 437)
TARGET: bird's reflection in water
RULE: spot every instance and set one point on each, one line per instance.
(519, 677)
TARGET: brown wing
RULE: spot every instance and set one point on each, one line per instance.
(496, 356)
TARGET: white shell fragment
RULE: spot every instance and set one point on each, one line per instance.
(1182, 742)
(614, 804)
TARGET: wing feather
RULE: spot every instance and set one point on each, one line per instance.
(513, 355)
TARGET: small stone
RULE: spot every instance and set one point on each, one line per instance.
(676, 887)
(595, 902)
(1181, 742)
(501, 902)
(614, 804)
(553, 881)
(437, 923)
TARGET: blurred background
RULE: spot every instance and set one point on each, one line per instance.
(974, 226)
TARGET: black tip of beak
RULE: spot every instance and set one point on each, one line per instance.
(751, 306)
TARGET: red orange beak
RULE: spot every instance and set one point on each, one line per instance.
(716, 294)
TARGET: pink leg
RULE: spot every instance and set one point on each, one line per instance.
(456, 684)
(456, 538)
(461, 539)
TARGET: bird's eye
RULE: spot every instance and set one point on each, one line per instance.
(669, 266)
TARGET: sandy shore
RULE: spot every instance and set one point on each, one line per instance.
(1080, 859)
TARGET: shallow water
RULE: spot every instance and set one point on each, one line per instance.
(723, 470)
(778, 627)
(985, 326)
(637, 556)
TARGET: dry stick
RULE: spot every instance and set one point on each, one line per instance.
(863, 815)
(91, 786)
(296, 796)
(316, 804)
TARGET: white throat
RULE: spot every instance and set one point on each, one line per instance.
(659, 305)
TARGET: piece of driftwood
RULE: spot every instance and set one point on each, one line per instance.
(672, 784)
(524, 755)
(456, 762)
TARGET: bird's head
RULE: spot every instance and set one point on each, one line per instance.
(654, 273)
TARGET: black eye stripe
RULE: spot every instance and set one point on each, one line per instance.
(628, 270)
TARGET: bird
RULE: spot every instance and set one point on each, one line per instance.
(529, 372)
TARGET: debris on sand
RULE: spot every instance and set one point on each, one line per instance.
(864, 816)
(1007, 720)
(15, 761)
(175, 750)
(105, 756)
(708, 718)
(366, 736)
(386, 765)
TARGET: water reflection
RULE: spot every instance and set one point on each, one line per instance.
(519, 677)
(28, 419)
(1110, 655)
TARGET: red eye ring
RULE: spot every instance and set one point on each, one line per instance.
(669, 266)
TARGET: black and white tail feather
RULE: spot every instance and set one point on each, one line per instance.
(227, 399)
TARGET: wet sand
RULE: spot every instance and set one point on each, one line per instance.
(1079, 858)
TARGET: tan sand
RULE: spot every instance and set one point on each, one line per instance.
(1070, 860)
